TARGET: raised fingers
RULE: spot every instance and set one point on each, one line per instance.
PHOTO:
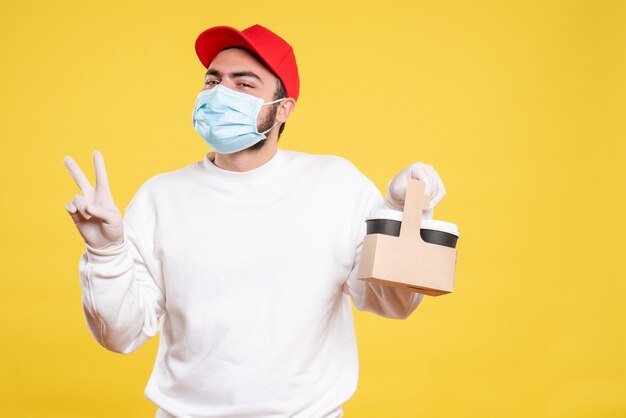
(102, 180)
(77, 174)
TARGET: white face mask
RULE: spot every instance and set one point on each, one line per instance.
(226, 119)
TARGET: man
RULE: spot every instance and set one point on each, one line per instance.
(246, 260)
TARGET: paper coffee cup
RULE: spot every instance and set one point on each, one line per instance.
(389, 221)
(439, 232)
(384, 221)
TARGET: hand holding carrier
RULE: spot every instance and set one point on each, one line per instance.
(407, 261)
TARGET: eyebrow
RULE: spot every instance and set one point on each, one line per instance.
(214, 72)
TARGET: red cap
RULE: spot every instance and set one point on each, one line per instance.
(271, 48)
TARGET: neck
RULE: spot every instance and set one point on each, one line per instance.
(247, 159)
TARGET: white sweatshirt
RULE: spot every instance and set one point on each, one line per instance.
(248, 277)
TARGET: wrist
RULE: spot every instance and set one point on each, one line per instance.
(110, 249)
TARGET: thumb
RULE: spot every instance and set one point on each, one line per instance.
(392, 191)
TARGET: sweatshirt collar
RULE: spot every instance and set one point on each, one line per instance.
(208, 168)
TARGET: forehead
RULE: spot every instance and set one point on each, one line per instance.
(239, 60)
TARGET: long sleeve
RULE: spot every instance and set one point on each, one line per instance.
(122, 301)
(386, 301)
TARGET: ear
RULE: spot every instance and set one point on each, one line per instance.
(284, 109)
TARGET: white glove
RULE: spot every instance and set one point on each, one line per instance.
(94, 213)
(396, 189)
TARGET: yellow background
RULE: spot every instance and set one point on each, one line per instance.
(519, 106)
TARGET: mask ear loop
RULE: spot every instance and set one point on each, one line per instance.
(275, 123)
(265, 132)
(275, 101)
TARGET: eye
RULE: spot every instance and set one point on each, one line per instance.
(211, 82)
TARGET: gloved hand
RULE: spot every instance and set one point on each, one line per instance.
(396, 189)
(97, 218)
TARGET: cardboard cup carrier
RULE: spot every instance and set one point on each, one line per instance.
(407, 260)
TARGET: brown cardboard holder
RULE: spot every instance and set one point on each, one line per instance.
(408, 261)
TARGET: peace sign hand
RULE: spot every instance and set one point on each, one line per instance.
(94, 213)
